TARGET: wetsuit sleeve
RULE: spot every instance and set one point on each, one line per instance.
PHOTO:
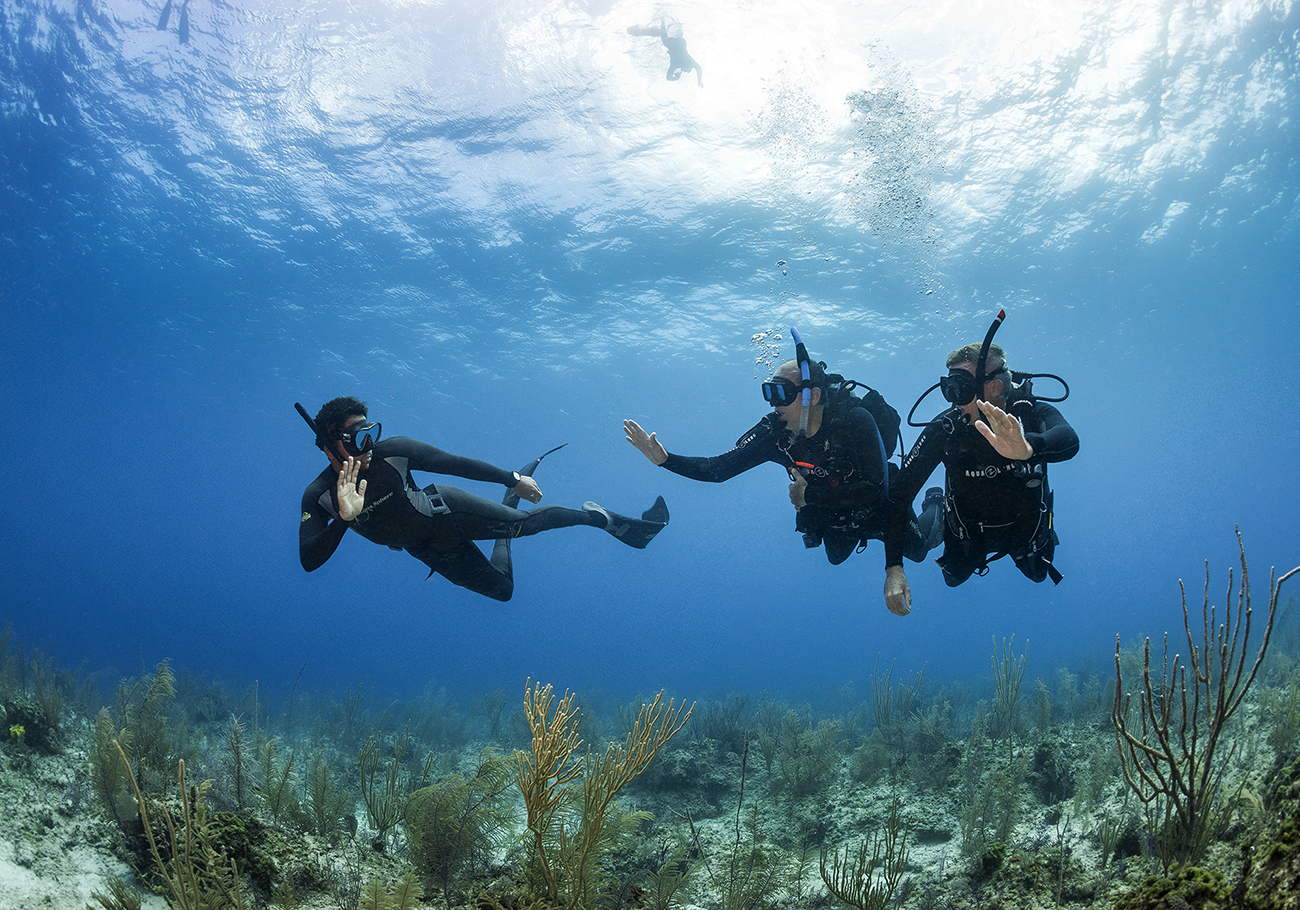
(750, 451)
(424, 457)
(319, 532)
(925, 456)
(861, 437)
(1057, 441)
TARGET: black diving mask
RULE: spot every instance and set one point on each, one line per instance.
(960, 387)
(360, 438)
(780, 392)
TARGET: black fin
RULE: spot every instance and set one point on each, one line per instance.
(635, 532)
(166, 14)
(528, 469)
(657, 512)
(184, 27)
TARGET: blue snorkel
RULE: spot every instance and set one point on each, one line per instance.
(801, 355)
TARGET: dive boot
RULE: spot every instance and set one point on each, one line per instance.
(635, 532)
(931, 520)
(933, 496)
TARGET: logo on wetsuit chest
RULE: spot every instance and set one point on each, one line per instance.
(364, 514)
(1019, 468)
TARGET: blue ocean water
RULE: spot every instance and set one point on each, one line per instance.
(501, 226)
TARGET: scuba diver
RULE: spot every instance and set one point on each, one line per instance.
(368, 487)
(679, 61)
(995, 443)
(835, 448)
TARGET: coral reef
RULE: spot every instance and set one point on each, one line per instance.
(955, 803)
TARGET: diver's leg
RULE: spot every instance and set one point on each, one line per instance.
(926, 532)
(467, 567)
(839, 547)
(931, 519)
(479, 518)
(501, 560)
(958, 561)
(1034, 559)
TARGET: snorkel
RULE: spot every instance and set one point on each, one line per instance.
(950, 391)
(984, 354)
(320, 440)
(801, 355)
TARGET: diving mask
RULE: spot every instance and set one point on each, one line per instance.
(360, 438)
(780, 392)
(960, 386)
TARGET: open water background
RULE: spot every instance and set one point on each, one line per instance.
(499, 225)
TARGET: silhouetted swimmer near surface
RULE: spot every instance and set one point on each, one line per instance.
(673, 38)
(183, 20)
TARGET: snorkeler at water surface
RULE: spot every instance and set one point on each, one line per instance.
(672, 36)
(368, 487)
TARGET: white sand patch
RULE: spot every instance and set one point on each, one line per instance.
(45, 876)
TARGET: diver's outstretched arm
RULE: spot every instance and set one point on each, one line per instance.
(898, 594)
(647, 443)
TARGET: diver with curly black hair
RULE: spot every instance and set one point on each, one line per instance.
(368, 487)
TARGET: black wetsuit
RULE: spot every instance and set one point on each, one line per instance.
(846, 502)
(436, 524)
(994, 505)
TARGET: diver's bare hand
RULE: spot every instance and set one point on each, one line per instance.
(1004, 433)
(798, 485)
(527, 488)
(647, 443)
(898, 594)
(351, 493)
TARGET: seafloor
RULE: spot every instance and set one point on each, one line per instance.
(1004, 793)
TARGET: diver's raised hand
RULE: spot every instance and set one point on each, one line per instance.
(1004, 433)
(351, 494)
(898, 594)
(647, 443)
